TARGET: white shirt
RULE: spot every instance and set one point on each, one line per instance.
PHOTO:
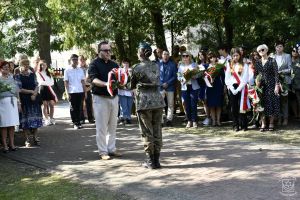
(193, 82)
(223, 59)
(127, 93)
(244, 77)
(74, 76)
(279, 60)
(48, 79)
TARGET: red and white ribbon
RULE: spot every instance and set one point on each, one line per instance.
(121, 76)
(50, 89)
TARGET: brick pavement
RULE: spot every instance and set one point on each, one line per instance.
(194, 167)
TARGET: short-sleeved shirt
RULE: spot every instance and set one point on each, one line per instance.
(74, 76)
(99, 69)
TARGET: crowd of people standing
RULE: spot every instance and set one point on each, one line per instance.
(31, 98)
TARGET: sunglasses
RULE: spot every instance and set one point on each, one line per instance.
(106, 50)
(185, 56)
(294, 50)
(262, 50)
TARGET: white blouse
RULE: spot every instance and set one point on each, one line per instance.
(193, 82)
(48, 79)
(244, 76)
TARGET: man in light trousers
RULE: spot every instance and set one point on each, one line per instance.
(105, 106)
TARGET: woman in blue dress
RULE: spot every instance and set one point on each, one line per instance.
(30, 103)
(215, 94)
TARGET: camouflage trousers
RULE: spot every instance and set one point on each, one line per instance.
(150, 125)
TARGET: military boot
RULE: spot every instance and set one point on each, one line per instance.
(156, 160)
(149, 162)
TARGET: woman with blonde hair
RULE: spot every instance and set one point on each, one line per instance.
(267, 68)
(189, 89)
(30, 103)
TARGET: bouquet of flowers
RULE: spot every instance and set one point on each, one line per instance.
(4, 87)
(117, 78)
(255, 96)
(190, 73)
(284, 87)
(212, 72)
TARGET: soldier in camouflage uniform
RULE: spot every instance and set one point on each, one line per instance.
(149, 104)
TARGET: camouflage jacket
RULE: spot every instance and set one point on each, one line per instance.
(145, 79)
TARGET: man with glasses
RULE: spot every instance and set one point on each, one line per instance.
(105, 106)
(74, 80)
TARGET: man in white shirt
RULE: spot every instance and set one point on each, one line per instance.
(74, 80)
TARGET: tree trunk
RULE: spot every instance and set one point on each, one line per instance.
(120, 45)
(227, 23)
(219, 32)
(43, 33)
(172, 36)
(159, 32)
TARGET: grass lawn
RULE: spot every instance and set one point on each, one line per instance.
(19, 181)
(288, 135)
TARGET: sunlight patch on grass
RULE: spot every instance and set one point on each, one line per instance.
(20, 181)
(278, 136)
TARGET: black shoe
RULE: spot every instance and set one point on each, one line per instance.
(5, 150)
(156, 161)
(92, 121)
(149, 162)
(128, 121)
(169, 123)
(236, 128)
(181, 114)
(122, 122)
(12, 149)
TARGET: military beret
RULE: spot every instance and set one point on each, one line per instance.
(144, 45)
(147, 49)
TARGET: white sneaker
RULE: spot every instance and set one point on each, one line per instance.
(47, 122)
(207, 121)
(76, 127)
(195, 125)
(189, 125)
(52, 121)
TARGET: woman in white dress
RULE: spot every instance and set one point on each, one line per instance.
(9, 106)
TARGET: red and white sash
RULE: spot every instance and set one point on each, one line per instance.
(244, 103)
(50, 89)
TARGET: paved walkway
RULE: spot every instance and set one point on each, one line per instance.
(194, 167)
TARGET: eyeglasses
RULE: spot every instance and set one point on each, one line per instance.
(106, 50)
(185, 56)
(74, 59)
(294, 50)
(262, 50)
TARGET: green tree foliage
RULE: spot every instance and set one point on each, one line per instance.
(127, 22)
